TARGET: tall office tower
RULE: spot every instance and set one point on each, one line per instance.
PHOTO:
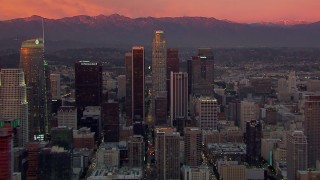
(33, 149)
(179, 96)
(136, 151)
(167, 147)
(67, 116)
(192, 146)
(128, 105)
(249, 111)
(253, 141)
(138, 112)
(312, 126)
(62, 136)
(159, 67)
(88, 85)
(161, 110)
(55, 86)
(13, 100)
(20, 161)
(6, 153)
(202, 67)
(206, 113)
(110, 115)
(55, 163)
(172, 65)
(35, 71)
(296, 153)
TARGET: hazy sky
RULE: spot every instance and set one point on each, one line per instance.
(234, 10)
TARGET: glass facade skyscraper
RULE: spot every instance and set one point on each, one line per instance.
(36, 76)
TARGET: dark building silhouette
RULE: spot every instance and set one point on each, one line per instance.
(55, 163)
(111, 125)
(33, 149)
(138, 111)
(253, 141)
(20, 161)
(92, 118)
(128, 105)
(201, 69)
(88, 85)
(62, 136)
(6, 148)
(172, 65)
(36, 77)
(161, 110)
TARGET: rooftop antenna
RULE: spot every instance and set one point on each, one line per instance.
(42, 32)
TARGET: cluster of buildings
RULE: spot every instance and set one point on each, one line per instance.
(172, 123)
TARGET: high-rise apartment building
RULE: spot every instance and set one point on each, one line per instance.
(55, 86)
(201, 71)
(296, 153)
(136, 151)
(312, 127)
(111, 123)
(88, 85)
(128, 103)
(167, 147)
(138, 109)
(206, 113)
(192, 146)
(253, 141)
(179, 96)
(6, 153)
(36, 78)
(13, 100)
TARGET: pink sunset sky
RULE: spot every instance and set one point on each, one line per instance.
(234, 10)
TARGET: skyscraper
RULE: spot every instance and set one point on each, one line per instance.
(312, 126)
(179, 96)
(138, 111)
(296, 153)
(36, 76)
(88, 85)
(167, 147)
(202, 72)
(13, 99)
(128, 105)
(172, 65)
(253, 141)
(192, 146)
(111, 124)
(159, 67)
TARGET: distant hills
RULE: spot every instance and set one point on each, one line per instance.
(122, 32)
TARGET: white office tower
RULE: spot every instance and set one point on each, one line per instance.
(296, 153)
(55, 86)
(159, 65)
(13, 99)
(206, 113)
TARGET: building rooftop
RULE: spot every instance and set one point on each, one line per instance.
(117, 173)
(227, 148)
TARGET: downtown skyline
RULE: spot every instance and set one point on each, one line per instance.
(246, 11)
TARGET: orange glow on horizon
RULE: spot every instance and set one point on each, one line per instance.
(234, 10)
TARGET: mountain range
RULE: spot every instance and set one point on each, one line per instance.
(120, 31)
